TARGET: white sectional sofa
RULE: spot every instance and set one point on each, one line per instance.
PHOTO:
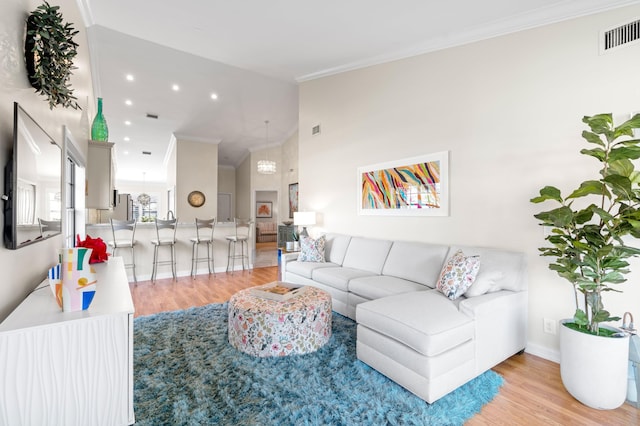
(409, 330)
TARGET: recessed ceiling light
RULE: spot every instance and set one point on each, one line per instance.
(128, 102)
(129, 77)
(214, 96)
(175, 87)
(126, 153)
(127, 139)
(128, 123)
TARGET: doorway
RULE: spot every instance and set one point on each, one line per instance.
(266, 216)
(224, 214)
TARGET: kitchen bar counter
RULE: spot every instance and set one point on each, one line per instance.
(146, 231)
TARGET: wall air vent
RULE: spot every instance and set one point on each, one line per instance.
(622, 35)
(154, 116)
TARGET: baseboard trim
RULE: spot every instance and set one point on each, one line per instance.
(543, 352)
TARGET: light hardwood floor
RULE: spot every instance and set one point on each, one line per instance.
(532, 394)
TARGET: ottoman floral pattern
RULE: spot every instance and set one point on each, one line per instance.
(269, 328)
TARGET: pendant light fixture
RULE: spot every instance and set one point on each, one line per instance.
(144, 199)
(266, 167)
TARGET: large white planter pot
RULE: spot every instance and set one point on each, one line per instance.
(594, 368)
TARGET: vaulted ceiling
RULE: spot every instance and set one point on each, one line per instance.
(251, 55)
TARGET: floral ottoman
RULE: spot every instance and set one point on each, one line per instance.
(266, 328)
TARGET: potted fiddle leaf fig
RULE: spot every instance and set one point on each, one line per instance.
(591, 230)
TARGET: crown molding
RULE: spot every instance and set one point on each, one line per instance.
(561, 11)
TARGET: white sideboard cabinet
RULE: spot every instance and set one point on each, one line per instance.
(100, 176)
(70, 368)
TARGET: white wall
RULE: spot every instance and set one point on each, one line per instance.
(244, 192)
(23, 269)
(508, 110)
(196, 170)
(226, 179)
(289, 173)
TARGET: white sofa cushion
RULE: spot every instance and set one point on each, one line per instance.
(417, 262)
(499, 270)
(338, 277)
(426, 321)
(305, 269)
(367, 254)
(379, 286)
(335, 247)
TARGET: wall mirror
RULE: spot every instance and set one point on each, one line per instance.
(33, 184)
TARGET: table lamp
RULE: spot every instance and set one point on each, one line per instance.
(304, 219)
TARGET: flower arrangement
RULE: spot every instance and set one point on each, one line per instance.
(99, 253)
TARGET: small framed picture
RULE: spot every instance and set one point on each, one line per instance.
(263, 209)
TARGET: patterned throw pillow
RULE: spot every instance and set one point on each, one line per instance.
(311, 250)
(458, 274)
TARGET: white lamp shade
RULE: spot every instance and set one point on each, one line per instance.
(304, 218)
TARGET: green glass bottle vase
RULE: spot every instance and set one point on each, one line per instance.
(99, 129)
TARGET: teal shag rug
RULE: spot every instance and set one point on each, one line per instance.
(186, 373)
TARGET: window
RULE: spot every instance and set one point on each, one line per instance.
(70, 202)
(26, 203)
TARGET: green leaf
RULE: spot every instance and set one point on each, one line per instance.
(623, 167)
(593, 138)
(560, 217)
(548, 193)
(599, 123)
(598, 153)
(601, 316)
(620, 185)
(626, 128)
(631, 251)
(580, 317)
(590, 187)
(604, 215)
(614, 277)
(628, 142)
(625, 152)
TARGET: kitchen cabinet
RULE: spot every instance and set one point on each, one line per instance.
(100, 176)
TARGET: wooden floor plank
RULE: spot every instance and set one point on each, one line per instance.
(532, 394)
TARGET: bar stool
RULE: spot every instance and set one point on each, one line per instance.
(241, 235)
(49, 227)
(203, 236)
(165, 236)
(126, 230)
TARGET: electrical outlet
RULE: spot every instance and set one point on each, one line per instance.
(549, 326)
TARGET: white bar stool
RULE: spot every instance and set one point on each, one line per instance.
(242, 235)
(203, 236)
(165, 236)
(125, 238)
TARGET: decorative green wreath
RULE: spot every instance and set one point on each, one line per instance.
(49, 52)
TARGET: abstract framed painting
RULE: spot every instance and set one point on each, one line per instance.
(293, 199)
(417, 186)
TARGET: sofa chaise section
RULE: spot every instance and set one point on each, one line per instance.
(419, 340)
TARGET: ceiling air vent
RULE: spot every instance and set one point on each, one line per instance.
(154, 116)
(146, 152)
(620, 36)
